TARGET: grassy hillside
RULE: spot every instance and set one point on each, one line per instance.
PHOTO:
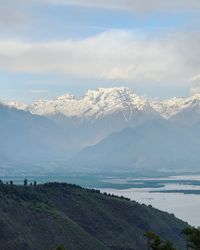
(45, 216)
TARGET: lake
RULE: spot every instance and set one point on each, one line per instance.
(183, 206)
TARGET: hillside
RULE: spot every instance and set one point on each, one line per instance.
(28, 138)
(45, 216)
(156, 145)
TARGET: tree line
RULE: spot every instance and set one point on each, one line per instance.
(25, 183)
(192, 240)
(154, 242)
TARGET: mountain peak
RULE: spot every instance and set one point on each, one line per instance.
(66, 96)
(17, 104)
(115, 90)
(108, 92)
(113, 95)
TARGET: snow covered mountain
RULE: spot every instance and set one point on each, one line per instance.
(17, 104)
(95, 115)
(100, 112)
(172, 107)
(55, 130)
(96, 104)
(111, 127)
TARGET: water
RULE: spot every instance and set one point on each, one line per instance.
(183, 206)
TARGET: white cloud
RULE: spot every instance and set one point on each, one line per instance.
(13, 13)
(195, 90)
(20, 15)
(118, 55)
(195, 84)
(195, 78)
(134, 5)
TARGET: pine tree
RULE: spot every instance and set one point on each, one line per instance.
(192, 237)
(25, 182)
(61, 248)
(155, 243)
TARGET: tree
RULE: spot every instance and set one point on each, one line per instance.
(61, 248)
(167, 245)
(192, 237)
(187, 232)
(11, 182)
(25, 182)
(35, 183)
(155, 243)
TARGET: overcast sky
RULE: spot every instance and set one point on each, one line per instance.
(49, 47)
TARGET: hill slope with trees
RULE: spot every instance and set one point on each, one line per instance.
(46, 216)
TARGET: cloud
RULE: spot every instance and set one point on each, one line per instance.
(13, 13)
(115, 55)
(195, 90)
(195, 84)
(133, 5)
(195, 78)
(16, 15)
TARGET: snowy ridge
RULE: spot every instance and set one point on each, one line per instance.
(95, 103)
(171, 107)
(105, 101)
(17, 104)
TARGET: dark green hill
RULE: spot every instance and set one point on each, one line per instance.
(45, 216)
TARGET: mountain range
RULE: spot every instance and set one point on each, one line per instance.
(105, 101)
(108, 129)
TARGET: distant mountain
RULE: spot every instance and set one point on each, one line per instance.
(185, 109)
(96, 104)
(28, 138)
(95, 115)
(190, 114)
(157, 145)
(46, 216)
(122, 130)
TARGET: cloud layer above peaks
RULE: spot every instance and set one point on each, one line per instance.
(113, 55)
(147, 43)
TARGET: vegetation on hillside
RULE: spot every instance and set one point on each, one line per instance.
(57, 214)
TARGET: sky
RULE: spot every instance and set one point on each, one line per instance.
(50, 47)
